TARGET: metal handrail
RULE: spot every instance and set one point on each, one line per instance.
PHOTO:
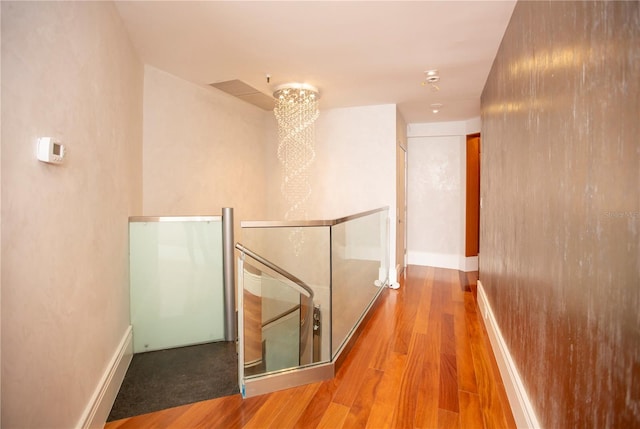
(281, 315)
(277, 269)
(174, 218)
(306, 310)
(306, 223)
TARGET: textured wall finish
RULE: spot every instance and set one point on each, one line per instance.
(210, 142)
(434, 187)
(560, 223)
(68, 71)
(355, 163)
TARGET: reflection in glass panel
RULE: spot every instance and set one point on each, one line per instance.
(276, 319)
(312, 264)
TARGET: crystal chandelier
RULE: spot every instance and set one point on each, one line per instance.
(296, 111)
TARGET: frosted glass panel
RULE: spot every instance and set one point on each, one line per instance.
(176, 283)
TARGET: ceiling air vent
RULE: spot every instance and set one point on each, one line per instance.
(247, 93)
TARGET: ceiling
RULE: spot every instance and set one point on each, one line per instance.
(356, 53)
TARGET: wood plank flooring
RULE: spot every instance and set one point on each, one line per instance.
(423, 360)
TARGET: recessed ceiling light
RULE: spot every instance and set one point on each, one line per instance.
(435, 107)
(431, 77)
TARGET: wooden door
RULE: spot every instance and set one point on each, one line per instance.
(472, 235)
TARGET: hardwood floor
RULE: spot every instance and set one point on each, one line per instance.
(423, 360)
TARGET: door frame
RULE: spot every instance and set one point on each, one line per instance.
(401, 207)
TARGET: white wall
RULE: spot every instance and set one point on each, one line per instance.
(355, 165)
(203, 150)
(68, 71)
(436, 191)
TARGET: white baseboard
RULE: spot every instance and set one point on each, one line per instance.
(468, 263)
(97, 411)
(439, 260)
(442, 260)
(521, 407)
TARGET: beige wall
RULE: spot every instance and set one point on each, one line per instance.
(203, 150)
(560, 223)
(68, 71)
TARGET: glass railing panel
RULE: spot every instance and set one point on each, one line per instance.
(359, 270)
(176, 283)
(276, 322)
(303, 251)
(280, 324)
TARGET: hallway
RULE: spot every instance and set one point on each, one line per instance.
(423, 360)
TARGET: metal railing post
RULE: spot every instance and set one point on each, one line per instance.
(230, 328)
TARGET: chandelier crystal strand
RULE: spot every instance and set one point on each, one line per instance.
(296, 112)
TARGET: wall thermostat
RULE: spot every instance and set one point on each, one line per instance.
(50, 151)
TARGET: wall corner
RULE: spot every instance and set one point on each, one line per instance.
(99, 406)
